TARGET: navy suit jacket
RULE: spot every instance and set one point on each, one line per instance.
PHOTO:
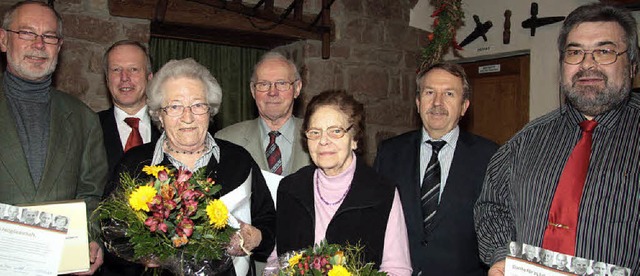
(450, 246)
(112, 142)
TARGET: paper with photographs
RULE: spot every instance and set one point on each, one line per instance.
(75, 253)
(31, 240)
(525, 259)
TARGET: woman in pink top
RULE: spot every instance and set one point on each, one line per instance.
(339, 198)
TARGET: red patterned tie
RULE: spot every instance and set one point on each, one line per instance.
(134, 138)
(273, 154)
(560, 234)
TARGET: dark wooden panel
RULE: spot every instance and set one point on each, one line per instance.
(633, 5)
(220, 36)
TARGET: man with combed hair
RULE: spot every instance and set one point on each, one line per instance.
(568, 181)
(51, 145)
(275, 84)
(127, 69)
(442, 239)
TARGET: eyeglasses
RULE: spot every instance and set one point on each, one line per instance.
(26, 35)
(600, 56)
(177, 110)
(265, 86)
(332, 132)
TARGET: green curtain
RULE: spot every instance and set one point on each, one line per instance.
(231, 66)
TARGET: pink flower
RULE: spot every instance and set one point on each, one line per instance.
(163, 175)
(190, 207)
(185, 228)
(155, 223)
(317, 263)
(183, 175)
(191, 194)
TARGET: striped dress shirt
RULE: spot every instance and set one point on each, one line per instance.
(522, 177)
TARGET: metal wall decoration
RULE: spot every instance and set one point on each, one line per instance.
(534, 22)
(506, 34)
(480, 30)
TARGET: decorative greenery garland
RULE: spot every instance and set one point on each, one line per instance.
(447, 20)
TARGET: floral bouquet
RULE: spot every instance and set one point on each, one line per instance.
(327, 259)
(172, 219)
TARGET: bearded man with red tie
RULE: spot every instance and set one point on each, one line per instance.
(568, 182)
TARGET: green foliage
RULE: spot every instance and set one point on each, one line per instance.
(349, 256)
(449, 17)
(205, 243)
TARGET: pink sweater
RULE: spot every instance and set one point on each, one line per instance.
(395, 258)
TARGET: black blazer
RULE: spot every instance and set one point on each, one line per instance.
(361, 218)
(112, 142)
(451, 246)
(234, 168)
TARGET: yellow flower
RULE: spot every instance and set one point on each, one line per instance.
(339, 270)
(140, 198)
(218, 213)
(294, 260)
(153, 170)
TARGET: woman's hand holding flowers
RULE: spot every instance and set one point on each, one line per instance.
(245, 240)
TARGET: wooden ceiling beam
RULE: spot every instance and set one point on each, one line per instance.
(212, 15)
(219, 36)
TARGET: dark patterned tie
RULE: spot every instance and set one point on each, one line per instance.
(135, 139)
(560, 234)
(430, 190)
(274, 159)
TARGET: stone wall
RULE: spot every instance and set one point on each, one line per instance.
(88, 31)
(373, 56)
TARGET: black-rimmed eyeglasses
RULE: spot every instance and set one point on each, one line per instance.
(332, 132)
(31, 36)
(600, 56)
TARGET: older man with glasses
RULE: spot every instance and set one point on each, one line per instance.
(568, 182)
(51, 146)
(273, 139)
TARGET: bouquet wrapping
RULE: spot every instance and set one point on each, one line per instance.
(172, 218)
(324, 259)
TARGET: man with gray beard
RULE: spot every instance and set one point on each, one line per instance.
(438, 170)
(568, 182)
(51, 145)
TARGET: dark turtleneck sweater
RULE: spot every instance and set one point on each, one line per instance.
(29, 102)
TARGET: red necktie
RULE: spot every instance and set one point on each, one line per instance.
(134, 138)
(560, 234)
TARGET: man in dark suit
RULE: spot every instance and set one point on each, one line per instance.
(51, 146)
(127, 69)
(442, 242)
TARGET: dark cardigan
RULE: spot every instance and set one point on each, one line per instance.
(361, 218)
(230, 172)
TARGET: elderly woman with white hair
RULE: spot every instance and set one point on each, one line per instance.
(183, 97)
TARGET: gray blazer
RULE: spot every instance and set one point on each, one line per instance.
(247, 135)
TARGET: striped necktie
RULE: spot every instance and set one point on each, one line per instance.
(274, 159)
(430, 190)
